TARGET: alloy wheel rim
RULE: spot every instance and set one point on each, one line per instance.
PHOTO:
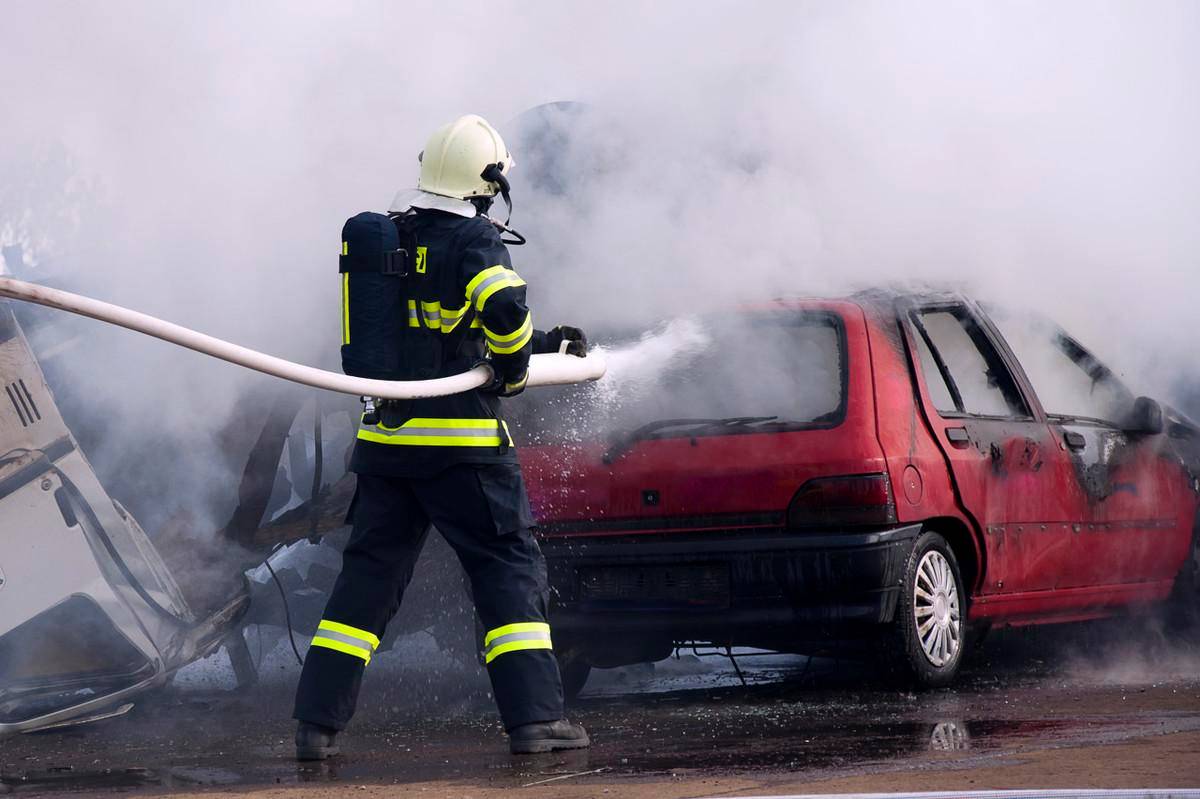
(936, 609)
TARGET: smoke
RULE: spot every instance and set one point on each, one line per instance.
(197, 161)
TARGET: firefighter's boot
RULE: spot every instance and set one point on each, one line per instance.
(314, 742)
(547, 736)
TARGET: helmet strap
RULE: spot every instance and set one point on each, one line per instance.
(493, 174)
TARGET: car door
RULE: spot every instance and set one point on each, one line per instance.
(1007, 468)
(1131, 492)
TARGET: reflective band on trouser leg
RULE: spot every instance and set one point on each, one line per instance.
(436, 433)
(515, 637)
(345, 639)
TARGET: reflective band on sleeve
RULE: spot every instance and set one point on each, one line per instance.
(451, 318)
(515, 637)
(436, 433)
(345, 305)
(486, 274)
(488, 282)
(345, 639)
(515, 386)
(509, 343)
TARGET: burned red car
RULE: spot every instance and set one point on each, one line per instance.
(894, 469)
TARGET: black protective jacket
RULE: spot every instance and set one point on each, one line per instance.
(464, 303)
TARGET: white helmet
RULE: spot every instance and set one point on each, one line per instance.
(457, 156)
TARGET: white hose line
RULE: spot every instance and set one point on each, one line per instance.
(544, 370)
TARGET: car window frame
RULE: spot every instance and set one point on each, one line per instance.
(784, 316)
(1019, 382)
(1078, 355)
(798, 317)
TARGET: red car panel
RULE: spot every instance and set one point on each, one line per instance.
(1049, 518)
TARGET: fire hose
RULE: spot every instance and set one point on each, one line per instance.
(544, 370)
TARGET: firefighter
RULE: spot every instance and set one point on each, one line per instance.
(449, 462)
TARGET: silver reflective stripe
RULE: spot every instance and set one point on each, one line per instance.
(511, 637)
(456, 432)
(491, 281)
(345, 639)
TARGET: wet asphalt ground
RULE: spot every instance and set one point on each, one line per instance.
(426, 721)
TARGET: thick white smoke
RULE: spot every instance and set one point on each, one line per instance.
(196, 161)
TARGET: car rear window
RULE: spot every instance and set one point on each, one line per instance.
(761, 372)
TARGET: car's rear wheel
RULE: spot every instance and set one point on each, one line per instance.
(575, 672)
(1185, 598)
(930, 619)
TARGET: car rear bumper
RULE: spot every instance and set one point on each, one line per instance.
(742, 587)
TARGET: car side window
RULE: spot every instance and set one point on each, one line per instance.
(939, 390)
(1068, 380)
(964, 372)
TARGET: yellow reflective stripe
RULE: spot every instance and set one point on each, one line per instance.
(339, 646)
(345, 305)
(452, 316)
(430, 441)
(448, 313)
(509, 343)
(509, 387)
(413, 321)
(482, 276)
(486, 294)
(428, 432)
(516, 637)
(506, 337)
(475, 424)
(509, 349)
(345, 248)
(507, 432)
(519, 627)
(346, 629)
(513, 646)
(476, 323)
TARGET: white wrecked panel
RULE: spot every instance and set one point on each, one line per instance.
(91, 615)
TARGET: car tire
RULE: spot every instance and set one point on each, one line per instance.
(1185, 596)
(929, 630)
(575, 672)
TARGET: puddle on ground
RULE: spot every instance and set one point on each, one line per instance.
(66, 778)
(637, 745)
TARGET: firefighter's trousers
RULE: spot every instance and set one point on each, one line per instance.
(482, 511)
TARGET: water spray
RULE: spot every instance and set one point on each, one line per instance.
(551, 369)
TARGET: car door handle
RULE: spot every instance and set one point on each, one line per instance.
(1074, 440)
(958, 436)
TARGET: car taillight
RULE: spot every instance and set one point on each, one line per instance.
(855, 500)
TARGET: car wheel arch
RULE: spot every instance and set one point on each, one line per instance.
(966, 547)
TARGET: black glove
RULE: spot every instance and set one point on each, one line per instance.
(570, 340)
(498, 385)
